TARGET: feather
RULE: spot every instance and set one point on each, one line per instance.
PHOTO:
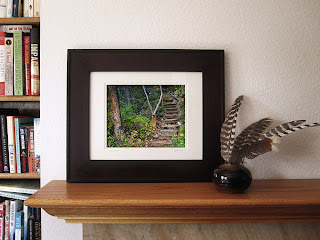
(260, 147)
(266, 144)
(247, 137)
(281, 129)
(228, 129)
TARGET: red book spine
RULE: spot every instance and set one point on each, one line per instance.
(7, 220)
(31, 157)
(27, 64)
(2, 213)
(2, 63)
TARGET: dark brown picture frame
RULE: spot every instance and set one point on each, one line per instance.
(82, 62)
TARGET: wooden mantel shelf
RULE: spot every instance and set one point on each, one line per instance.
(126, 203)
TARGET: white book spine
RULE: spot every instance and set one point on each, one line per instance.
(17, 190)
(36, 8)
(9, 66)
(3, 8)
(18, 234)
(11, 144)
(9, 8)
(26, 8)
(13, 206)
(12, 28)
(31, 11)
(26, 214)
(20, 196)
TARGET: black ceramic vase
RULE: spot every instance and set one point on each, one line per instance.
(232, 178)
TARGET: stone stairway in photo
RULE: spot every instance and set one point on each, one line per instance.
(168, 125)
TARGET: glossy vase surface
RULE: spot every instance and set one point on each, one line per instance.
(232, 178)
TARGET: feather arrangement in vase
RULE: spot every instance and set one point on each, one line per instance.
(250, 143)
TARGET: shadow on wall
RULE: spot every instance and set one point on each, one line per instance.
(233, 231)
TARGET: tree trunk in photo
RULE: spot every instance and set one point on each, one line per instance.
(115, 110)
(128, 96)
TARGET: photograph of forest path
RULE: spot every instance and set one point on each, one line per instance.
(146, 116)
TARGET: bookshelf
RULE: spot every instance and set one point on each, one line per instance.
(4, 176)
(27, 105)
(19, 98)
(13, 185)
(20, 20)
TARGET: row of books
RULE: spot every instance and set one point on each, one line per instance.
(19, 222)
(19, 8)
(19, 60)
(20, 143)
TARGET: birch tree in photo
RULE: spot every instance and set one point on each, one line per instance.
(153, 113)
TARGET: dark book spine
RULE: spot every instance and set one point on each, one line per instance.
(35, 60)
(31, 228)
(4, 142)
(37, 224)
(15, 10)
(24, 150)
(1, 161)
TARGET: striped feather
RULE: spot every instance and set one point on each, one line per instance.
(247, 137)
(228, 129)
(282, 129)
(266, 144)
(258, 148)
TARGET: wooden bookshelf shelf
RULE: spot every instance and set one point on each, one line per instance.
(19, 98)
(19, 176)
(20, 20)
(126, 203)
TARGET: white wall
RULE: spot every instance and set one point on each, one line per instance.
(272, 52)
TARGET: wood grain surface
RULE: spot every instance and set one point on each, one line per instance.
(265, 201)
(20, 20)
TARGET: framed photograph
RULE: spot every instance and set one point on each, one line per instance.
(144, 115)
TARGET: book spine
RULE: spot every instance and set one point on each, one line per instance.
(3, 8)
(26, 215)
(9, 8)
(17, 190)
(31, 228)
(18, 72)
(36, 8)
(18, 226)
(37, 143)
(31, 8)
(2, 214)
(27, 64)
(20, 8)
(37, 223)
(11, 144)
(19, 196)
(9, 64)
(26, 8)
(17, 143)
(1, 158)
(24, 150)
(4, 142)
(31, 157)
(12, 28)
(35, 61)
(7, 220)
(15, 7)
(2, 62)
(12, 218)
